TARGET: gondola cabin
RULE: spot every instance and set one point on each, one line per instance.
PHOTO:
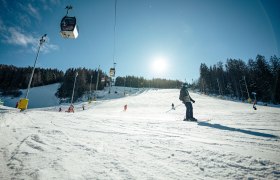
(112, 72)
(68, 25)
(69, 28)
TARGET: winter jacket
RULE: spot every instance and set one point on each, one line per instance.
(185, 96)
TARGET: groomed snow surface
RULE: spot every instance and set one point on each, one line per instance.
(148, 141)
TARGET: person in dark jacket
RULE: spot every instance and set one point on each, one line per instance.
(186, 99)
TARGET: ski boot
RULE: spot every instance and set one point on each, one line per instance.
(192, 119)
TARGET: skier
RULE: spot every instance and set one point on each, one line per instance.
(255, 100)
(172, 106)
(70, 109)
(186, 99)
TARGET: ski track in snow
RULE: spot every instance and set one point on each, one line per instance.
(229, 141)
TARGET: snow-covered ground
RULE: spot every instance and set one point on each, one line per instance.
(148, 141)
(42, 96)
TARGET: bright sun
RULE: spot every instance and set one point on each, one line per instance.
(159, 65)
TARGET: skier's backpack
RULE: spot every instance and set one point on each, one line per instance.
(182, 94)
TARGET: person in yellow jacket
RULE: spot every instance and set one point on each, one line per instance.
(186, 99)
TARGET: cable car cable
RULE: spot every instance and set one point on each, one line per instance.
(115, 23)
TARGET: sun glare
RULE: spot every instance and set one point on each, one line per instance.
(159, 65)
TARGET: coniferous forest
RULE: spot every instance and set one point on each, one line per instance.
(239, 79)
(14, 78)
(86, 81)
(140, 82)
(235, 78)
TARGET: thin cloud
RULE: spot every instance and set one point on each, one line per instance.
(46, 4)
(34, 12)
(46, 7)
(15, 37)
(18, 38)
(48, 47)
(24, 20)
(2, 26)
(55, 2)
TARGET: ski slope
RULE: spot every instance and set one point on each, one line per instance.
(42, 96)
(148, 141)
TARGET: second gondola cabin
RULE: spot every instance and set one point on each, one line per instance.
(68, 26)
(112, 72)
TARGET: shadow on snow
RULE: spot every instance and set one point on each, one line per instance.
(222, 127)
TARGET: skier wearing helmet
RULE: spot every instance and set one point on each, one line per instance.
(186, 99)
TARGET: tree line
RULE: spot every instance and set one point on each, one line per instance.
(240, 79)
(14, 78)
(86, 81)
(140, 82)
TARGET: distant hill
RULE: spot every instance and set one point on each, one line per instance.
(43, 96)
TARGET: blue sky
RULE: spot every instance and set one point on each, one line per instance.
(182, 33)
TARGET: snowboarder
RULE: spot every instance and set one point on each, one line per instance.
(125, 107)
(186, 99)
(83, 107)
